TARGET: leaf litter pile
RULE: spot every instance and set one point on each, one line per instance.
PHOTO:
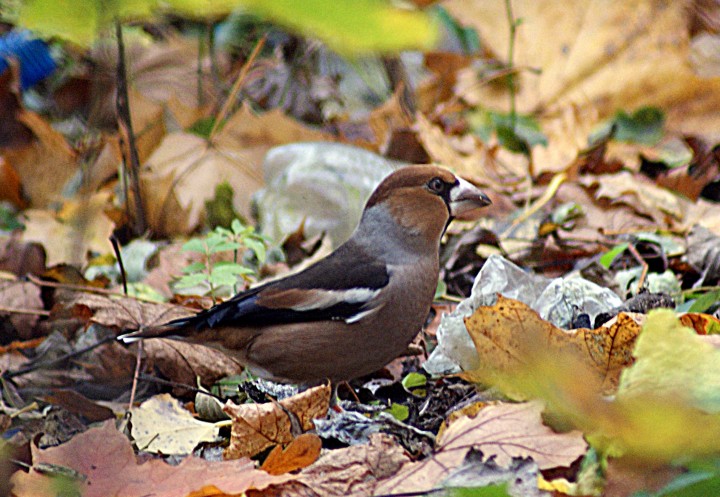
(572, 347)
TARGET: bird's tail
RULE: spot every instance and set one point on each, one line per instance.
(175, 328)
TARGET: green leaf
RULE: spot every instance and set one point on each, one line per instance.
(644, 126)
(194, 268)
(498, 490)
(225, 246)
(693, 484)
(440, 290)
(231, 268)
(219, 278)
(258, 248)
(194, 245)
(609, 257)
(414, 380)
(202, 127)
(80, 21)
(398, 411)
(351, 28)
(236, 226)
(518, 133)
(705, 301)
(191, 280)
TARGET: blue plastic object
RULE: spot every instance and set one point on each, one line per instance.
(32, 54)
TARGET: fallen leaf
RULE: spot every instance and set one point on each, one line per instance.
(352, 471)
(80, 227)
(300, 453)
(183, 171)
(106, 461)
(509, 334)
(162, 425)
(124, 313)
(638, 192)
(21, 296)
(501, 432)
(46, 164)
(672, 361)
(256, 427)
(595, 58)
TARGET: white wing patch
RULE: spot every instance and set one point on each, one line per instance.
(322, 299)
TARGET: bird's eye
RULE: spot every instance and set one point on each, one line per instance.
(436, 185)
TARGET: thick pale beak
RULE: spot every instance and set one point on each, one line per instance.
(465, 198)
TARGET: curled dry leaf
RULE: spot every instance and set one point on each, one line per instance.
(502, 432)
(509, 337)
(300, 453)
(256, 427)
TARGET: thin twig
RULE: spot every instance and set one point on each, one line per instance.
(641, 282)
(122, 105)
(136, 374)
(547, 195)
(236, 87)
(20, 310)
(41, 365)
(118, 256)
(83, 288)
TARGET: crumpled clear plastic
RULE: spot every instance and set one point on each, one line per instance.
(557, 300)
(325, 184)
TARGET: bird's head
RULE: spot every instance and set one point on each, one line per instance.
(422, 200)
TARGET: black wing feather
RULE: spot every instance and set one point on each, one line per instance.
(331, 273)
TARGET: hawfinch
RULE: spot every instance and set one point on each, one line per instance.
(354, 311)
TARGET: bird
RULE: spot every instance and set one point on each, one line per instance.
(353, 312)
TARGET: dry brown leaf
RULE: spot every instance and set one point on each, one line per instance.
(638, 192)
(80, 227)
(256, 427)
(148, 124)
(300, 453)
(601, 216)
(184, 169)
(46, 164)
(106, 459)
(162, 425)
(597, 57)
(350, 472)
(387, 118)
(124, 313)
(21, 258)
(703, 324)
(501, 432)
(159, 71)
(21, 295)
(10, 185)
(701, 212)
(184, 362)
(464, 155)
(12, 132)
(509, 335)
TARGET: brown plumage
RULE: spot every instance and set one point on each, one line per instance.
(354, 311)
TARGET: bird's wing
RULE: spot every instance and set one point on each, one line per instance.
(328, 290)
